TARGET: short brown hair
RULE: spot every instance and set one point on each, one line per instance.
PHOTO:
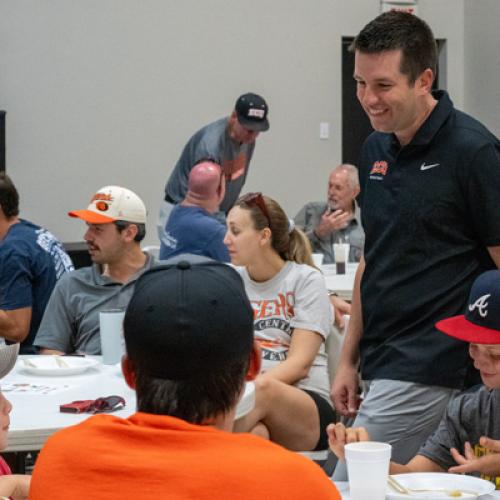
(398, 30)
(9, 197)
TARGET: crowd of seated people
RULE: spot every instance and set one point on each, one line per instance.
(189, 349)
(428, 207)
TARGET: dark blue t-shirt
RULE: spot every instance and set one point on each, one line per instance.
(194, 230)
(31, 261)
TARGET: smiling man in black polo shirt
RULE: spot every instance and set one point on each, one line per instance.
(430, 184)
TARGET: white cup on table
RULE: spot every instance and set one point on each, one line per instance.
(112, 341)
(368, 469)
(318, 259)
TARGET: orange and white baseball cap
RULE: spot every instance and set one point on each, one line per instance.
(112, 203)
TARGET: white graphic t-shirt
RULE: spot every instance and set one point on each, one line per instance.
(295, 298)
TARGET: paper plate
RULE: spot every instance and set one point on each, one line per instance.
(441, 484)
(48, 365)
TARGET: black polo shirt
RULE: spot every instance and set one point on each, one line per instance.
(429, 210)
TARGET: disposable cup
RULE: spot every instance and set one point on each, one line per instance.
(368, 469)
(111, 329)
(317, 259)
(341, 254)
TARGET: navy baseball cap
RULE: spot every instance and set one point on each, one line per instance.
(481, 322)
(251, 110)
(186, 317)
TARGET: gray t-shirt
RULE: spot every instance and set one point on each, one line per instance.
(309, 217)
(469, 416)
(212, 141)
(295, 298)
(71, 320)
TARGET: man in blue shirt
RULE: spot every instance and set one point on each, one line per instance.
(31, 261)
(191, 227)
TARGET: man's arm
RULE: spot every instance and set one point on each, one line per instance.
(56, 328)
(15, 486)
(339, 436)
(16, 293)
(418, 463)
(344, 392)
(340, 308)
(304, 220)
(319, 223)
(15, 324)
(495, 255)
(52, 352)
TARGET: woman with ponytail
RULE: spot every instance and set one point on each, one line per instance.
(292, 319)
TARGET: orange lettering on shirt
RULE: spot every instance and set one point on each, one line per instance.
(234, 168)
(267, 308)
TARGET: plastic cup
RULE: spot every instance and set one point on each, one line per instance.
(318, 259)
(341, 254)
(368, 469)
(111, 329)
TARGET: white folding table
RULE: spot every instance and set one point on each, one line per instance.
(35, 417)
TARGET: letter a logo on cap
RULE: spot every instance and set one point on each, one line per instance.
(481, 305)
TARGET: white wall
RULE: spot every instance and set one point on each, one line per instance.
(108, 91)
(482, 61)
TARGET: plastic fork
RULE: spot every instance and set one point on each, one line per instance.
(60, 362)
(399, 488)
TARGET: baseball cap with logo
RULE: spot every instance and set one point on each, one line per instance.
(112, 203)
(251, 110)
(187, 317)
(481, 322)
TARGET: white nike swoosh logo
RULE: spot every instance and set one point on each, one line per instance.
(427, 167)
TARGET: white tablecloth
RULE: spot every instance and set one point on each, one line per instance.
(343, 488)
(342, 284)
(35, 417)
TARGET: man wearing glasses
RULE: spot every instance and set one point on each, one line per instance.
(189, 340)
(230, 142)
(116, 224)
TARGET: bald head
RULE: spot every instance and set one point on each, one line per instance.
(205, 185)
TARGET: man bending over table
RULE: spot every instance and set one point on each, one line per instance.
(189, 341)
(116, 224)
(471, 423)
